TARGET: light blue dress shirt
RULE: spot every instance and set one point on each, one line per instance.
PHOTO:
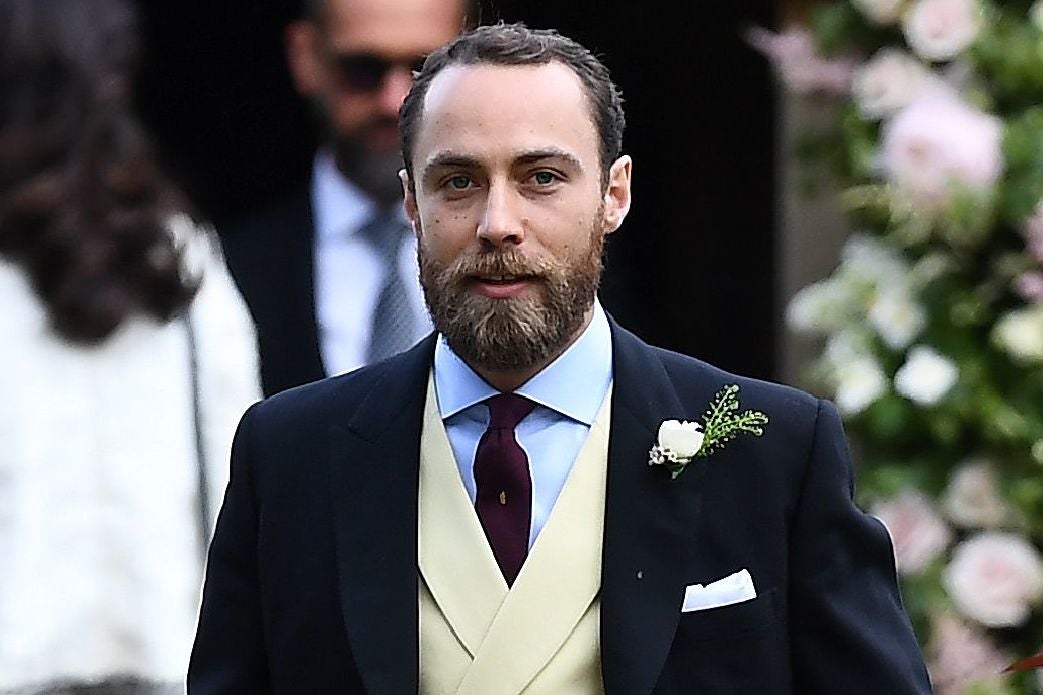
(568, 394)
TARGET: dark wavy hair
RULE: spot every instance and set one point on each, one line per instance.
(83, 204)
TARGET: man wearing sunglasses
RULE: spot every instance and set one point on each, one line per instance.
(330, 272)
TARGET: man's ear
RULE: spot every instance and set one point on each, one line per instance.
(302, 57)
(617, 194)
(409, 201)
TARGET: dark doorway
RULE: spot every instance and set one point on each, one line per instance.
(693, 267)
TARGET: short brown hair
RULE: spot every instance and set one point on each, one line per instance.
(516, 44)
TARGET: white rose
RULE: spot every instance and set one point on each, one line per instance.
(859, 384)
(926, 376)
(939, 142)
(1020, 333)
(822, 306)
(973, 499)
(888, 82)
(681, 437)
(995, 578)
(918, 533)
(866, 259)
(896, 317)
(1036, 17)
(881, 12)
(942, 29)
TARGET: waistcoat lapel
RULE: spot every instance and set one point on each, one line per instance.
(456, 562)
(557, 584)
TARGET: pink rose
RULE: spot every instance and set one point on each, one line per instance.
(1032, 229)
(940, 143)
(1029, 285)
(942, 29)
(919, 534)
(959, 656)
(995, 578)
(798, 63)
(973, 499)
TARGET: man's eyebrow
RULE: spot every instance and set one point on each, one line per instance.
(534, 156)
(463, 161)
(449, 159)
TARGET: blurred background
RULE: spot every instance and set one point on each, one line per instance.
(694, 268)
(846, 195)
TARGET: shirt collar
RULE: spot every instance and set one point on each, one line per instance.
(341, 208)
(574, 384)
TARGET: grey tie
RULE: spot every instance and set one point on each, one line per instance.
(394, 320)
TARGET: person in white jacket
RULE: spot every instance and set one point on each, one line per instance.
(127, 359)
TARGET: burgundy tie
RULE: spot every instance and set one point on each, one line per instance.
(501, 474)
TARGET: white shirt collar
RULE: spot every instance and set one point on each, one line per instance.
(340, 207)
(574, 384)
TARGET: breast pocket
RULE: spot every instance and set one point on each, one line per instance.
(735, 650)
(736, 619)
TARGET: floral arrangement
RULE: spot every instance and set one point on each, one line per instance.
(932, 323)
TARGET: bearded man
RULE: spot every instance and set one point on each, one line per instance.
(532, 499)
(329, 271)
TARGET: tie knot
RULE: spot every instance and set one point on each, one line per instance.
(506, 410)
(385, 233)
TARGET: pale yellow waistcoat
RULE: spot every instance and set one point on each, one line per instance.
(477, 637)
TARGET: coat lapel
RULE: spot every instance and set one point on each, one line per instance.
(650, 522)
(374, 464)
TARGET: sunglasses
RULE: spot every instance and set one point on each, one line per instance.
(365, 72)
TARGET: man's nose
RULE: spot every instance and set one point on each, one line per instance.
(501, 222)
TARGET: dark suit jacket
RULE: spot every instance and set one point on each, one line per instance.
(312, 577)
(271, 257)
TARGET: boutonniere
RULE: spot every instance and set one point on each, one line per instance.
(680, 441)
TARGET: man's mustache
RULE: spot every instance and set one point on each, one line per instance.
(496, 264)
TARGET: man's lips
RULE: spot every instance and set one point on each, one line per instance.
(502, 286)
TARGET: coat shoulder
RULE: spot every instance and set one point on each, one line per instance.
(754, 393)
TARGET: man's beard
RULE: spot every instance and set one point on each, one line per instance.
(515, 333)
(374, 171)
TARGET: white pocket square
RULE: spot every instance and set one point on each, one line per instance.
(734, 588)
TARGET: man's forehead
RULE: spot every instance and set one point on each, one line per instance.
(492, 114)
(417, 26)
(479, 101)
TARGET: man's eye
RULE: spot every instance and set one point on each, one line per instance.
(544, 178)
(459, 183)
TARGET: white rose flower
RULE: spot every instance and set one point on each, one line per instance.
(896, 317)
(846, 346)
(972, 499)
(939, 142)
(859, 383)
(891, 80)
(918, 533)
(1036, 17)
(681, 437)
(880, 12)
(867, 259)
(995, 578)
(926, 376)
(1020, 333)
(942, 29)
